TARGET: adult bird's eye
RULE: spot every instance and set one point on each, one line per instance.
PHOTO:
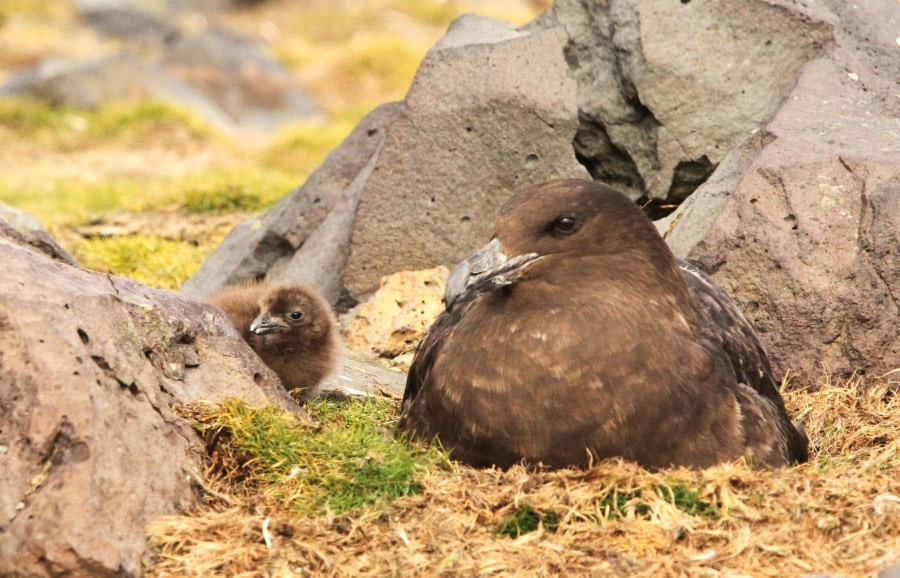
(566, 225)
(295, 315)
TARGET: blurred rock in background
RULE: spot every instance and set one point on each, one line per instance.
(18, 219)
(163, 55)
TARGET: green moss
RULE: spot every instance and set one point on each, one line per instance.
(58, 202)
(67, 128)
(133, 122)
(351, 462)
(301, 148)
(614, 504)
(527, 519)
(33, 118)
(62, 202)
(231, 191)
(151, 260)
(686, 499)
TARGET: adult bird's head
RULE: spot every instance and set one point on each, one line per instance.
(589, 223)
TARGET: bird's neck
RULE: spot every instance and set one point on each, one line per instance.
(624, 292)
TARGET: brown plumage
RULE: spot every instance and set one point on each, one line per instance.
(290, 327)
(574, 335)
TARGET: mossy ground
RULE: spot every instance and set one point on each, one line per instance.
(353, 460)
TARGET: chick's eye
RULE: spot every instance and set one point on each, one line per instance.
(566, 225)
(295, 315)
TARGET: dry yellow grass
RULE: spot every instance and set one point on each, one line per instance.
(839, 514)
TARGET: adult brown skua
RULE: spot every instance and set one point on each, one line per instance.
(289, 326)
(575, 335)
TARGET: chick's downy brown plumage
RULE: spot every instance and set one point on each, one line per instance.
(575, 335)
(289, 326)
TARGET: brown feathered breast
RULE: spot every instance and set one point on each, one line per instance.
(574, 335)
(289, 326)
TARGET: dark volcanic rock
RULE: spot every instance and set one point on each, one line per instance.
(666, 89)
(802, 223)
(90, 451)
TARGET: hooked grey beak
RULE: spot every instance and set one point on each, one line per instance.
(263, 325)
(488, 268)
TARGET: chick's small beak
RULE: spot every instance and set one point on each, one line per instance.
(486, 269)
(263, 325)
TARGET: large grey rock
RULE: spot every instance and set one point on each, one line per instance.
(322, 258)
(234, 77)
(802, 223)
(491, 109)
(90, 451)
(666, 89)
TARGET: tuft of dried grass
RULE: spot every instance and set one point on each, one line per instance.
(839, 513)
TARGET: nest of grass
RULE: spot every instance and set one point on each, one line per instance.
(837, 514)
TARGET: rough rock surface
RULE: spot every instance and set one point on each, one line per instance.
(491, 109)
(357, 376)
(224, 77)
(90, 450)
(802, 223)
(666, 89)
(393, 321)
(38, 239)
